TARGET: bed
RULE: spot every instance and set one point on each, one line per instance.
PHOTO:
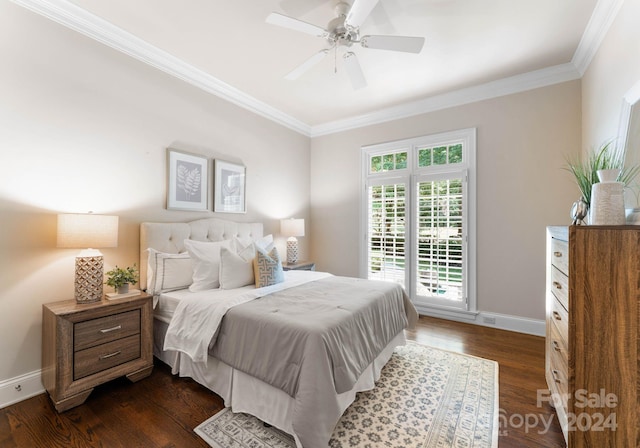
(293, 354)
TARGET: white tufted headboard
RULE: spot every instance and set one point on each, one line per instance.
(169, 236)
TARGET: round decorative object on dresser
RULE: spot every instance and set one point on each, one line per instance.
(579, 211)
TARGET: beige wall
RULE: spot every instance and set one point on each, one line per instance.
(612, 72)
(83, 127)
(522, 142)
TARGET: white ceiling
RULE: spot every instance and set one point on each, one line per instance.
(468, 43)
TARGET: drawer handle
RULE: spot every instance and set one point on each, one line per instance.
(557, 285)
(556, 346)
(557, 315)
(556, 376)
(557, 254)
(110, 355)
(107, 330)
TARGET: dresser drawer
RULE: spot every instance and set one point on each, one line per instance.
(560, 255)
(559, 365)
(105, 329)
(102, 357)
(560, 286)
(560, 318)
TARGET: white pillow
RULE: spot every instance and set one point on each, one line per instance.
(265, 242)
(168, 272)
(236, 270)
(206, 263)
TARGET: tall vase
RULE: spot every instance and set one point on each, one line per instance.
(607, 200)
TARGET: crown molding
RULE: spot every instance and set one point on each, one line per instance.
(603, 16)
(506, 86)
(82, 21)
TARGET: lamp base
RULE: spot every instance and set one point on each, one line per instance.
(89, 278)
(292, 250)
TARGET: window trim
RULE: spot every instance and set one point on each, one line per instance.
(409, 176)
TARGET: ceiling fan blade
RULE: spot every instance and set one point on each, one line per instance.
(352, 66)
(294, 24)
(393, 43)
(306, 65)
(359, 12)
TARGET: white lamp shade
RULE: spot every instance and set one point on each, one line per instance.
(87, 230)
(292, 227)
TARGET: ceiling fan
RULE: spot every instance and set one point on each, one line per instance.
(342, 32)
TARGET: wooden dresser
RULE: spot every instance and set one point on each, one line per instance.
(84, 345)
(592, 348)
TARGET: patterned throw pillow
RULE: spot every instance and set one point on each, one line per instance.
(267, 268)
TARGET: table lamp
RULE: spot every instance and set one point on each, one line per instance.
(292, 228)
(88, 231)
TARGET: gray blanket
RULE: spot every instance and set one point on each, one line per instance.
(313, 341)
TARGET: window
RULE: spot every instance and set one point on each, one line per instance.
(418, 201)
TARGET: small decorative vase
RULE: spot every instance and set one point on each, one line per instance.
(123, 289)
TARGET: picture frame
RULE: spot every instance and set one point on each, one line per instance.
(229, 187)
(187, 181)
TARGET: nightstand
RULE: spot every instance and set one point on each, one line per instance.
(84, 345)
(299, 266)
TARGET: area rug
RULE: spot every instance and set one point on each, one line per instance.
(425, 398)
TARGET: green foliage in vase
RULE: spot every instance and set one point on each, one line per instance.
(117, 277)
(605, 158)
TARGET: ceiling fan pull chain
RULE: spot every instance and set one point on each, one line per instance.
(335, 59)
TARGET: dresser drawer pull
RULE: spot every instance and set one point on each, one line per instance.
(107, 330)
(110, 355)
(556, 346)
(557, 315)
(557, 254)
(557, 285)
(556, 376)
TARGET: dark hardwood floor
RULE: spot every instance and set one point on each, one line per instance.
(162, 410)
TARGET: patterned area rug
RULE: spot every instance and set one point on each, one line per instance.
(424, 398)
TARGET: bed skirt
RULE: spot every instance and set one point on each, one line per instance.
(245, 393)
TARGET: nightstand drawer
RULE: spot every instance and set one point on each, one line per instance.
(105, 329)
(105, 356)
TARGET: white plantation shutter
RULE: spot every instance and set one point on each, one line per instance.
(386, 235)
(440, 237)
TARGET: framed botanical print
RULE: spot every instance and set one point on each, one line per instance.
(229, 187)
(187, 181)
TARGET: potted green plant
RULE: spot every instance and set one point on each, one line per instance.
(607, 157)
(121, 278)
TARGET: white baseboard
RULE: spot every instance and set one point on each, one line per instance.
(494, 320)
(20, 388)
